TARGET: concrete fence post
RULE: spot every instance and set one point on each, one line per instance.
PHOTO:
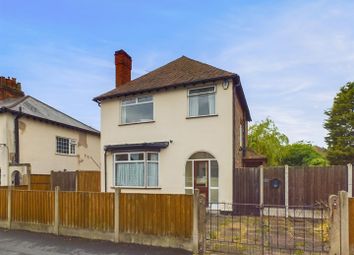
(286, 175)
(195, 221)
(116, 214)
(339, 224)
(56, 210)
(9, 206)
(261, 185)
(350, 180)
(344, 222)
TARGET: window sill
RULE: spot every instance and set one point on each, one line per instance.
(66, 155)
(134, 123)
(202, 116)
(147, 188)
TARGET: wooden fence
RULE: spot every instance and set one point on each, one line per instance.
(155, 214)
(32, 206)
(64, 179)
(87, 210)
(3, 204)
(76, 180)
(290, 186)
(154, 219)
(88, 181)
(40, 182)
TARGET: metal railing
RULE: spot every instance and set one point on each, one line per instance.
(267, 229)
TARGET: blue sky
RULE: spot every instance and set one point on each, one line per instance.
(292, 56)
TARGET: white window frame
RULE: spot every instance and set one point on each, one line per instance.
(71, 142)
(145, 161)
(198, 94)
(125, 102)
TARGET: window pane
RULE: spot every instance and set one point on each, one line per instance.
(137, 112)
(62, 145)
(193, 106)
(137, 156)
(145, 99)
(130, 174)
(214, 173)
(153, 157)
(189, 179)
(214, 195)
(129, 101)
(122, 157)
(72, 148)
(201, 155)
(201, 91)
(152, 174)
(202, 105)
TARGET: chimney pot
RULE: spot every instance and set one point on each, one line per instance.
(123, 64)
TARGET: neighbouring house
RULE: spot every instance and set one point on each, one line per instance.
(178, 128)
(36, 138)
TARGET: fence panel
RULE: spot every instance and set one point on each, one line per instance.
(156, 214)
(40, 182)
(87, 210)
(65, 180)
(246, 185)
(32, 206)
(88, 181)
(272, 195)
(311, 185)
(3, 204)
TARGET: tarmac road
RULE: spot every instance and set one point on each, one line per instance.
(27, 243)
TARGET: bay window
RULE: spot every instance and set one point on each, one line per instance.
(201, 101)
(138, 109)
(136, 169)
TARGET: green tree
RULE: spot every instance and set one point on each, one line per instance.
(264, 138)
(303, 154)
(340, 126)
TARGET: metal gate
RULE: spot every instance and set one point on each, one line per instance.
(258, 229)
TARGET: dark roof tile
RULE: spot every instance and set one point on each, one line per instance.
(178, 72)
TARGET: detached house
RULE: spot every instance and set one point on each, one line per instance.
(36, 138)
(180, 127)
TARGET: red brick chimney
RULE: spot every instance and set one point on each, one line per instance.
(9, 88)
(123, 67)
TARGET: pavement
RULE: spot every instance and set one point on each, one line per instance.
(14, 242)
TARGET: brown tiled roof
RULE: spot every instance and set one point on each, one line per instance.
(181, 71)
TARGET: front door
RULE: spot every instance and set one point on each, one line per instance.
(201, 181)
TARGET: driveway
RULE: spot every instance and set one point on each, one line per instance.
(27, 243)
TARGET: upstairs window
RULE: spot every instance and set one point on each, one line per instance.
(65, 146)
(201, 101)
(135, 110)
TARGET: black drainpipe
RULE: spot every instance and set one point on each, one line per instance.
(17, 136)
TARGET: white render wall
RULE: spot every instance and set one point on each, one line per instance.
(210, 134)
(6, 137)
(38, 147)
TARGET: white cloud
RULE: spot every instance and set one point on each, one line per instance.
(292, 61)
